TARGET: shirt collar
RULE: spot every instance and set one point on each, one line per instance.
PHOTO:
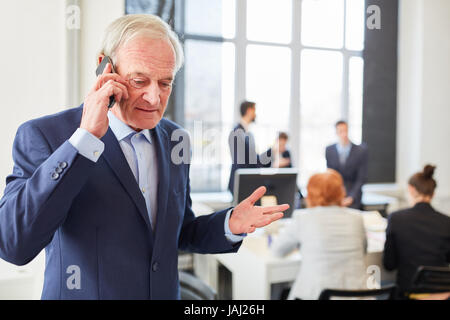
(244, 125)
(121, 130)
(342, 148)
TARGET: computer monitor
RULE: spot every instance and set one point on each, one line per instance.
(280, 183)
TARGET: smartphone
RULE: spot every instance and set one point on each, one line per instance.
(99, 71)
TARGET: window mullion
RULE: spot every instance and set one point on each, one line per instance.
(240, 58)
(345, 71)
(296, 48)
(345, 86)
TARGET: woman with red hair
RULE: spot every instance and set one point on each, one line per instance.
(332, 240)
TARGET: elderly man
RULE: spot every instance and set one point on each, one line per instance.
(98, 189)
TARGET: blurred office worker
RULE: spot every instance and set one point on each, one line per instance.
(332, 240)
(99, 190)
(351, 161)
(242, 143)
(417, 236)
(278, 153)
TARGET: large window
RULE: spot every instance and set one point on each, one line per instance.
(331, 75)
(299, 60)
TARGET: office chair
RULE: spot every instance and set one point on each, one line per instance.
(388, 293)
(193, 288)
(429, 280)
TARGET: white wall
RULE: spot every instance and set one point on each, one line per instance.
(34, 60)
(96, 16)
(424, 93)
(32, 67)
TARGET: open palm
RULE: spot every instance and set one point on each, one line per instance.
(246, 217)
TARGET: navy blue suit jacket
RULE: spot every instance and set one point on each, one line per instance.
(93, 216)
(354, 171)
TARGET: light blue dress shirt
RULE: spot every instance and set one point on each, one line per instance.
(343, 152)
(141, 156)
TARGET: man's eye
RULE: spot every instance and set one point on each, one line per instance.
(166, 84)
(138, 82)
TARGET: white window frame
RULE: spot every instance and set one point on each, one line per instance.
(241, 42)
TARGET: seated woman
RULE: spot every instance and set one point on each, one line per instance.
(418, 236)
(280, 155)
(332, 240)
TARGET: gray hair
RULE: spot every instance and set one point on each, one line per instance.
(129, 26)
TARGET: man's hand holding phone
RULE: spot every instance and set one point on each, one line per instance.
(95, 109)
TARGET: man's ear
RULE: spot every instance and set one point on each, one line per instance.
(100, 58)
(412, 191)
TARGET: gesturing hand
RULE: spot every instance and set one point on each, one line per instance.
(246, 217)
(347, 201)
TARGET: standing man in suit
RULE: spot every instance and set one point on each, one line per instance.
(101, 190)
(242, 143)
(351, 161)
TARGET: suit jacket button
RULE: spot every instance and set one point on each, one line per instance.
(55, 176)
(62, 165)
(58, 170)
(155, 266)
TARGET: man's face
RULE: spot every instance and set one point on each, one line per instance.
(148, 67)
(252, 112)
(342, 132)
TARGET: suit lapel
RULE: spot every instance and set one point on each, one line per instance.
(337, 159)
(114, 156)
(163, 155)
(350, 155)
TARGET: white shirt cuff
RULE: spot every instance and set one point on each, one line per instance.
(234, 238)
(88, 145)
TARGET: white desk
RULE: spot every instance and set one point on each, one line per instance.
(254, 269)
(22, 282)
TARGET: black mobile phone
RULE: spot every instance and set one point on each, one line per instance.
(99, 71)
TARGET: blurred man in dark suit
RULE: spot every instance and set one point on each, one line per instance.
(242, 143)
(351, 161)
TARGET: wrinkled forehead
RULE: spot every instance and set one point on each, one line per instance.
(155, 56)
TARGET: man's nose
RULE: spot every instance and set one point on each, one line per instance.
(151, 94)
